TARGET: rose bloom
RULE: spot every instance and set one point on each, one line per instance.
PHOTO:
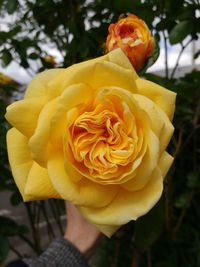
(133, 36)
(94, 134)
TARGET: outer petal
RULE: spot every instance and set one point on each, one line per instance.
(127, 205)
(39, 184)
(38, 87)
(118, 57)
(164, 98)
(147, 166)
(160, 123)
(102, 72)
(23, 115)
(165, 163)
(39, 142)
(20, 159)
(83, 192)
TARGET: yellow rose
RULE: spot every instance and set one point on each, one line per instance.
(94, 134)
(133, 36)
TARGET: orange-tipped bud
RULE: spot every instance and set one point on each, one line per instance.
(133, 36)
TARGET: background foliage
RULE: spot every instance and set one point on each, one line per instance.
(169, 235)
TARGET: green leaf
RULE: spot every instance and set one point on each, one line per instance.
(11, 6)
(192, 180)
(197, 54)
(15, 198)
(4, 248)
(33, 56)
(8, 227)
(23, 229)
(182, 201)
(6, 57)
(152, 59)
(149, 227)
(179, 32)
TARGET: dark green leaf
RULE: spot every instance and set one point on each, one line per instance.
(179, 32)
(197, 54)
(23, 229)
(149, 227)
(192, 180)
(33, 56)
(11, 6)
(6, 57)
(4, 248)
(8, 227)
(182, 201)
(16, 198)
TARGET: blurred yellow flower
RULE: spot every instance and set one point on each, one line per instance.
(133, 36)
(50, 59)
(94, 134)
(4, 79)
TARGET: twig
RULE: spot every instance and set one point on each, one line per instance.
(136, 258)
(179, 56)
(181, 217)
(148, 253)
(166, 56)
(16, 251)
(49, 227)
(27, 240)
(36, 237)
(56, 215)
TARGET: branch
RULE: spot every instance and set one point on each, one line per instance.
(166, 56)
(179, 56)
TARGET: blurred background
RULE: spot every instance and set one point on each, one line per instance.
(40, 34)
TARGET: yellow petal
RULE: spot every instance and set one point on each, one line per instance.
(38, 183)
(72, 97)
(127, 206)
(99, 74)
(39, 143)
(118, 57)
(83, 192)
(38, 87)
(20, 159)
(165, 163)
(57, 85)
(147, 166)
(107, 230)
(164, 98)
(160, 123)
(23, 115)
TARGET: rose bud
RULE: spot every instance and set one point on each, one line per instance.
(133, 36)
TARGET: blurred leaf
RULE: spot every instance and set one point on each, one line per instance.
(8, 227)
(182, 201)
(11, 6)
(33, 56)
(193, 180)
(6, 57)
(4, 248)
(15, 198)
(15, 30)
(179, 32)
(197, 54)
(149, 227)
(23, 229)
